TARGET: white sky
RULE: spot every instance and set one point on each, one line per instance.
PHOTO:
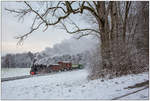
(36, 42)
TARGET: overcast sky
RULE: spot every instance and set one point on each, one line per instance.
(36, 42)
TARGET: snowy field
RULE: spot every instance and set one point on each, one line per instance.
(73, 85)
(11, 72)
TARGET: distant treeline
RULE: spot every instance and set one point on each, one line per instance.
(19, 60)
(25, 60)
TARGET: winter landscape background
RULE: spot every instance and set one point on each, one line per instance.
(109, 38)
(76, 51)
(73, 50)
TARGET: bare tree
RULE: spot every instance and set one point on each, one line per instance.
(111, 19)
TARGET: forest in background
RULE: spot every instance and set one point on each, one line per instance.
(72, 50)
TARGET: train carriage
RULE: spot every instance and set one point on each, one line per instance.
(61, 66)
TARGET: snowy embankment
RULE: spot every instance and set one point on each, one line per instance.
(12, 72)
(72, 85)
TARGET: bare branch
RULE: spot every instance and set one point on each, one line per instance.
(45, 28)
(20, 13)
(95, 3)
(78, 30)
(22, 37)
(69, 11)
(14, 11)
(87, 34)
(82, 35)
(90, 5)
(35, 12)
(33, 22)
(91, 10)
(59, 19)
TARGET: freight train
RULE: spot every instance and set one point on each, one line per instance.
(61, 66)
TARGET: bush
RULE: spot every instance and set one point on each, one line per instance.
(124, 59)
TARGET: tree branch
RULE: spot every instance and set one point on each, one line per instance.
(70, 10)
(78, 30)
(35, 12)
(22, 37)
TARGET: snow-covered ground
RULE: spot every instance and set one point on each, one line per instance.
(72, 85)
(11, 72)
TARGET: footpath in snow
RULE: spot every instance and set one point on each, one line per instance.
(73, 85)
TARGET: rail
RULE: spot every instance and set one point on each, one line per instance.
(28, 76)
(116, 98)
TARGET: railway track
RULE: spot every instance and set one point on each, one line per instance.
(15, 78)
(119, 97)
(21, 77)
(24, 77)
(28, 76)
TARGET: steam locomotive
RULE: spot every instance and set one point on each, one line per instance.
(61, 66)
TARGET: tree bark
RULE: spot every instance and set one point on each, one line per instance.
(104, 33)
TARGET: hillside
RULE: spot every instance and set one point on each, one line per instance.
(73, 85)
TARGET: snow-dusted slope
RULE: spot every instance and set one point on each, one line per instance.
(71, 85)
(12, 72)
